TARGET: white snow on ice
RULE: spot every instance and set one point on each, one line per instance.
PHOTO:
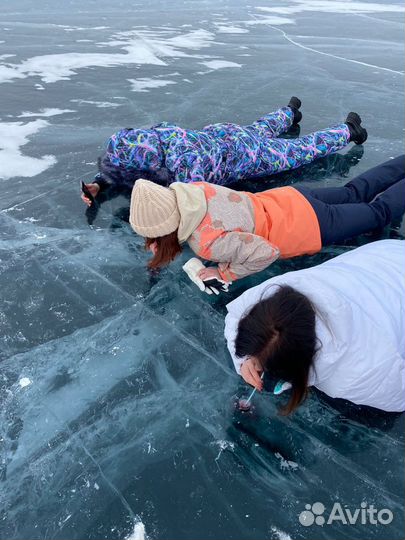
(220, 64)
(270, 20)
(280, 535)
(144, 84)
(81, 28)
(286, 464)
(140, 47)
(331, 6)
(138, 532)
(45, 113)
(24, 381)
(13, 135)
(231, 30)
(223, 445)
(99, 104)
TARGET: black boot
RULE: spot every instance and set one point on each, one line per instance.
(294, 105)
(358, 134)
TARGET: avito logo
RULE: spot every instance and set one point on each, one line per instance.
(365, 514)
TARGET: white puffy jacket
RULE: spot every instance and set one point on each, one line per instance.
(360, 301)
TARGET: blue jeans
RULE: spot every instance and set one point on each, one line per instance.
(368, 202)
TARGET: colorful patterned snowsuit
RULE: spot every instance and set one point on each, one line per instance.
(221, 153)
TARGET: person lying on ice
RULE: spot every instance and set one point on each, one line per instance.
(246, 232)
(219, 153)
(337, 326)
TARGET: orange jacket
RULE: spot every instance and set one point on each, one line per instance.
(246, 232)
(286, 219)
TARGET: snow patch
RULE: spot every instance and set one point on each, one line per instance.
(24, 381)
(45, 113)
(271, 20)
(81, 28)
(13, 135)
(223, 445)
(99, 104)
(143, 84)
(140, 47)
(138, 532)
(331, 6)
(280, 535)
(231, 30)
(221, 64)
(285, 464)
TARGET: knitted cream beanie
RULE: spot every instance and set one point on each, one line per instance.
(153, 210)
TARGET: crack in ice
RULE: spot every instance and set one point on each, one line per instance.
(305, 47)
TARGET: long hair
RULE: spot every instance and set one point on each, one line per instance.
(280, 332)
(168, 247)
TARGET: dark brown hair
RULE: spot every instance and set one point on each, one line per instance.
(168, 248)
(280, 332)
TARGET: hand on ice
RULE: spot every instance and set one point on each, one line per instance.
(213, 280)
(209, 273)
(207, 279)
(93, 189)
(251, 371)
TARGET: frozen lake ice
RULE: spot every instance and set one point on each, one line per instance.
(116, 387)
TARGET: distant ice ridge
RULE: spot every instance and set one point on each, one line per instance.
(13, 135)
(140, 47)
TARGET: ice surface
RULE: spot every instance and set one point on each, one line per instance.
(117, 392)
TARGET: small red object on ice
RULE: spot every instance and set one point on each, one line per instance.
(244, 405)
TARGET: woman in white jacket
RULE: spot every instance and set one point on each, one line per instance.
(338, 326)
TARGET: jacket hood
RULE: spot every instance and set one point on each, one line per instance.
(192, 206)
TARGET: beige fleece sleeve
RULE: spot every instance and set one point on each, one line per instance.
(240, 254)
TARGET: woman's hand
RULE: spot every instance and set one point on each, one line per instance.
(209, 273)
(94, 188)
(251, 371)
